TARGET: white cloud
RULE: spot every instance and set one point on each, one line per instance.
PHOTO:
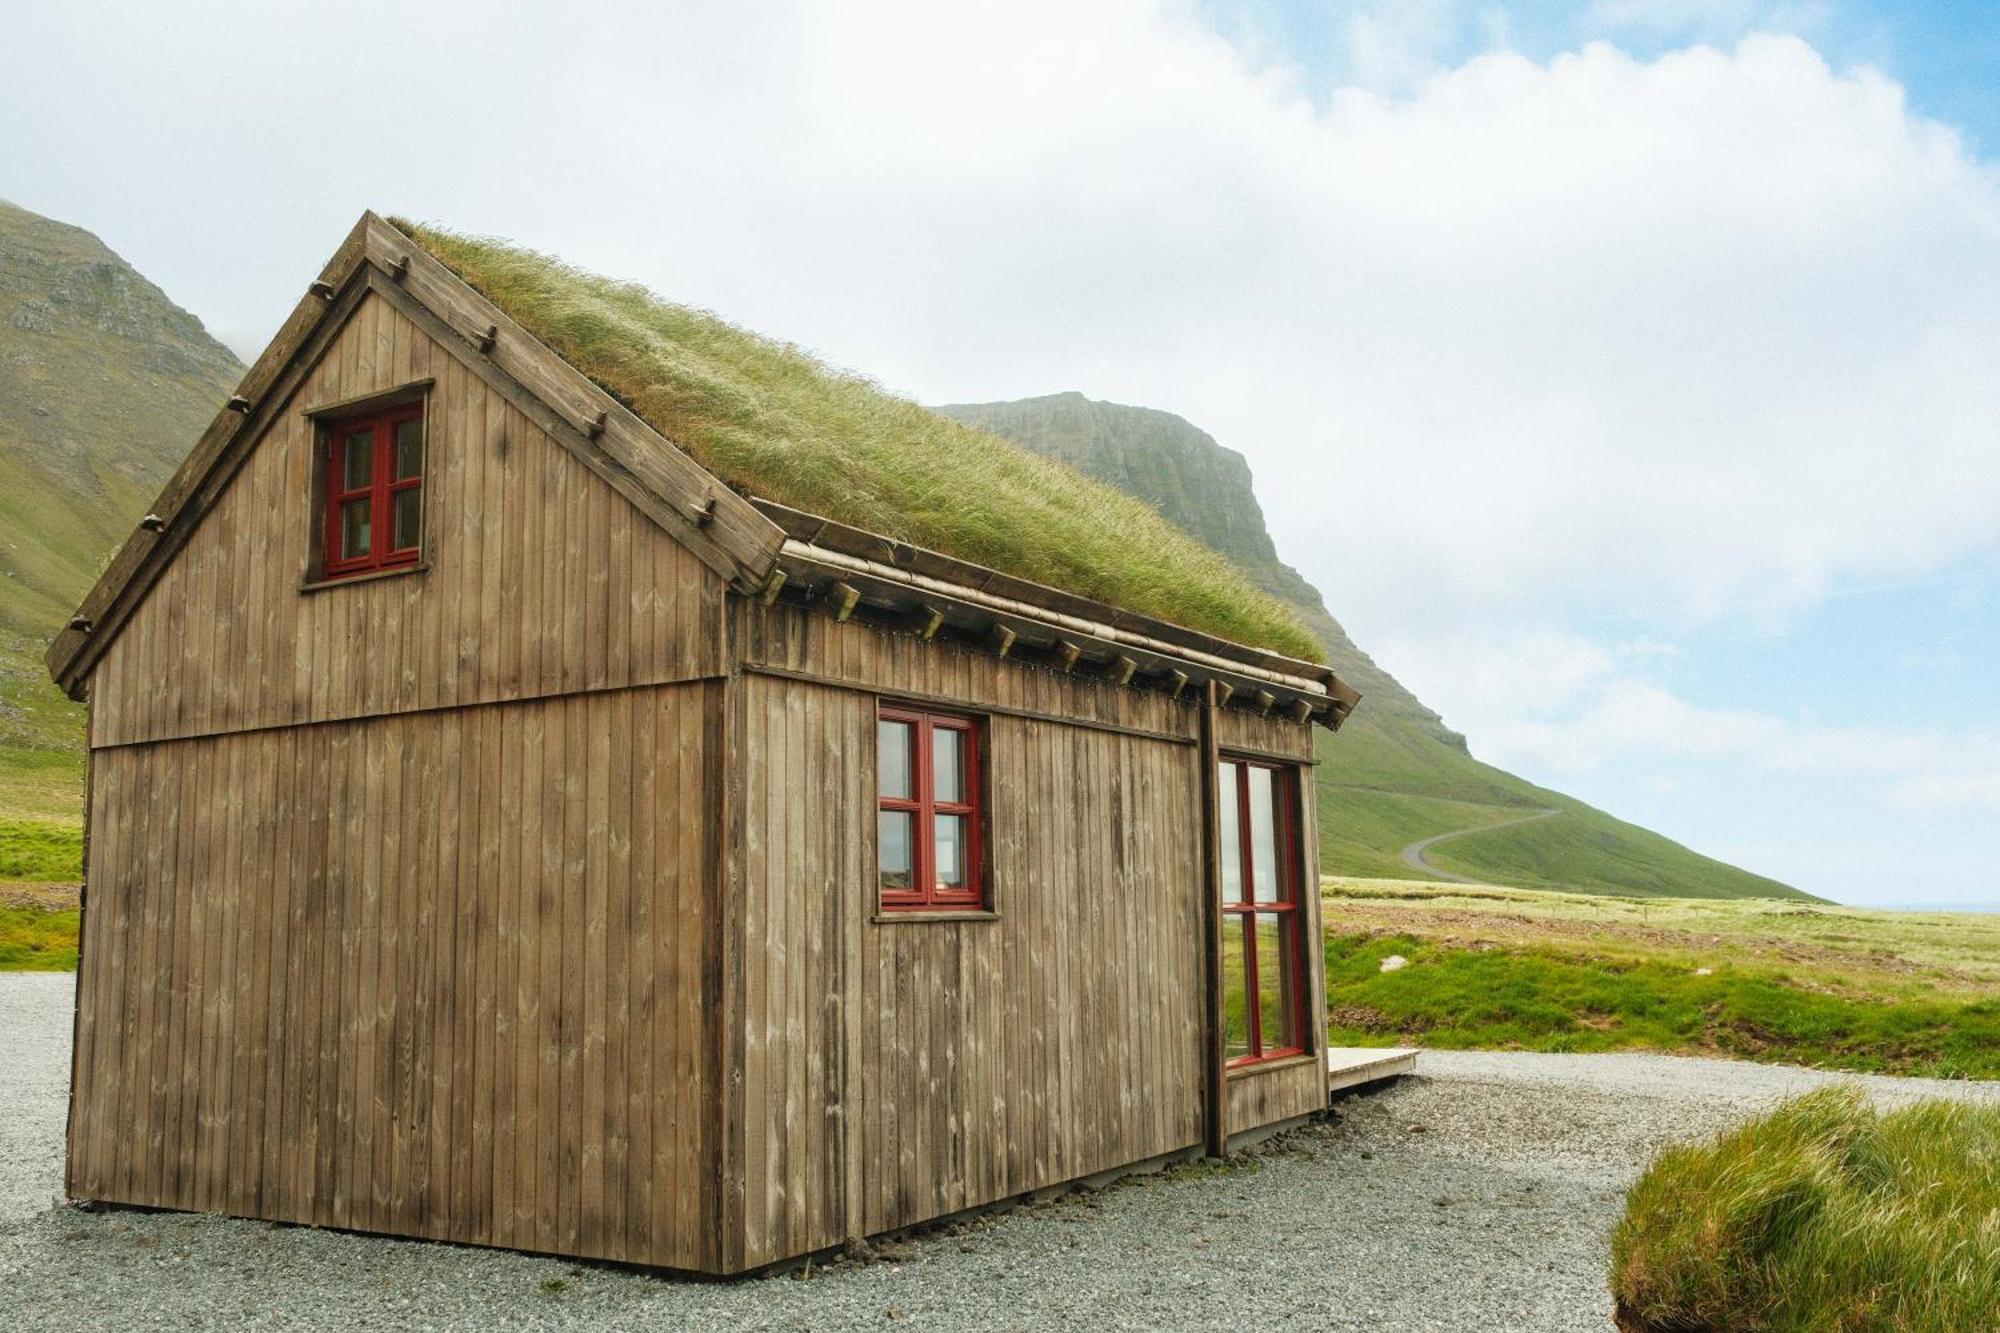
(1391, 46)
(1512, 344)
(1702, 335)
(1979, 791)
(1576, 721)
(1673, 15)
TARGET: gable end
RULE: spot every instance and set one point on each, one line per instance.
(720, 527)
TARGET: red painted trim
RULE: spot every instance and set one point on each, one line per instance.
(380, 492)
(1285, 789)
(927, 894)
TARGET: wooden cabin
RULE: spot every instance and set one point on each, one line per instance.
(502, 832)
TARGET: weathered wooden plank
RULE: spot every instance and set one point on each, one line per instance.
(339, 945)
(735, 539)
(489, 617)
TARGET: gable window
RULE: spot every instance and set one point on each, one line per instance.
(374, 491)
(1263, 965)
(927, 831)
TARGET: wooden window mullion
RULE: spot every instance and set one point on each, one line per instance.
(1246, 854)
(924, 854)
(384, 540)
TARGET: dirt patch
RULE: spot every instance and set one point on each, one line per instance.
(47, 897)
(1368, 1018)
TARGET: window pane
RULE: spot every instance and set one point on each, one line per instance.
(1277, 1003)
(1263, 836)
(1235, 989)
(892, 759)
(947, 765)
(1232, 849)
(356, 522)
(893, 833)
(409, 449)
(409, 511)
(952, 849)
(358, 459)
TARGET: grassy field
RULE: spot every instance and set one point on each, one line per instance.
(41, 815)
(1823, 1215)
(38, 929)
(1801, 983)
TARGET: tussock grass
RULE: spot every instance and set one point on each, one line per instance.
(37, 939)
(769, 417)
(33, 849)
(1823, 1217)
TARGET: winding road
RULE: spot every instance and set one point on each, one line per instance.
(1413, 855)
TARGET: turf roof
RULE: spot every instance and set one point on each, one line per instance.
(771, 418)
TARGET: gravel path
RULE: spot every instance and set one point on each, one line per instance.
(34, 1090)
(1414, 858)
(1476, 1195)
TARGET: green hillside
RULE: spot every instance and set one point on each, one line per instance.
(104, 385)
(1396, 774)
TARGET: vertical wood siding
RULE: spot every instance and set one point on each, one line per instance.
(447, 975)
(796, 639)
(541, 579)
(898, 1071)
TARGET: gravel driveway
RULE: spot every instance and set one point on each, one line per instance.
(1477, 1195)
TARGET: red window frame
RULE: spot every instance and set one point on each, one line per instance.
(1242, 915)
(925, 893)
(381, 491)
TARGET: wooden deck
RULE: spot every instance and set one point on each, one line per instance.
(1352, 1066)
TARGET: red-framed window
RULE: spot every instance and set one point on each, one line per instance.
(1263, 957)
(374, 491)
(927, 823)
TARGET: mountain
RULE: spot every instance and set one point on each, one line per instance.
(104, 382)
(1396, 774)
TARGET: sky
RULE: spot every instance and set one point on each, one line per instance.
(1624, 372)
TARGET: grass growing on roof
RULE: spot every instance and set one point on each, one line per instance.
(1824, 1215)
(769, 417)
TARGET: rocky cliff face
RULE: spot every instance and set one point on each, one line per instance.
(1196, 483)
(105, 385)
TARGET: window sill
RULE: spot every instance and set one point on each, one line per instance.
(957, 914)
(1270, 1066)
(343, 580)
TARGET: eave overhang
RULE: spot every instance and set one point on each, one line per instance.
(845, 570)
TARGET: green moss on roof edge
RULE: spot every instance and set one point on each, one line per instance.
(772, 419)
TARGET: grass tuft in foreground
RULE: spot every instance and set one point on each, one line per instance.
(771, 418)
(1823, 1217)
